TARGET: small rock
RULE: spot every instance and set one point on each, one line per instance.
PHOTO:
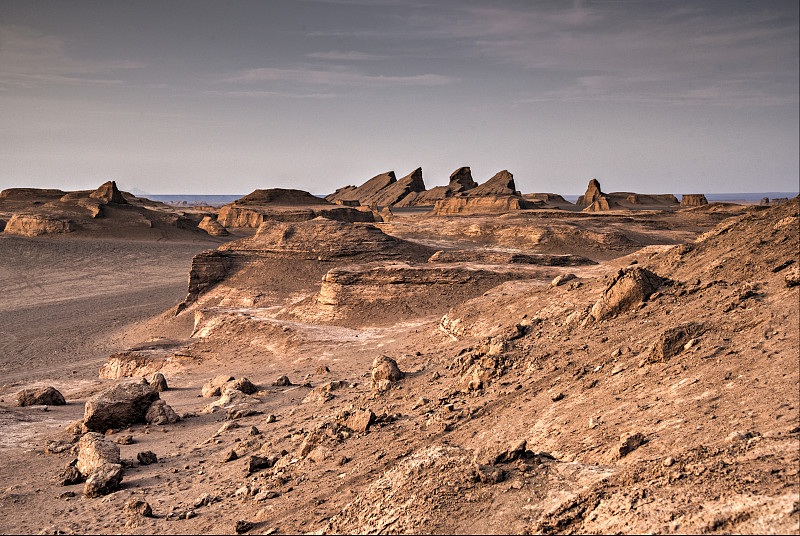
(147, 457)
(256, 463)
(692, 342)
(160, 413)
(555, 397)
(125, 439)
(385, 368)
(69, 475)
(47, 396)
(213, 387)
(67, 495)
(322, 369)
(616, 353)
(243, 526)
(230, 456)
(270, 418)
(488, 474)
(158, 382)
(57, 447)
(513, 452)
(266, 495)
(669, 461)
(792, 277)
(738, 436)
(104, 480)
(253, 431)
(593, 423)
(342, 460)
(282, 381)
(205, 499)
(629, 442)
(619, 367)
(360, 420)
(560, 280)
(139, 507)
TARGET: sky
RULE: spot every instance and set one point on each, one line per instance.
(223, 97)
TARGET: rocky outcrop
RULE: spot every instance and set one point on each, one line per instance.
(43, 396)
(121, 405)
(504, 257)
(672, 341)
(280, 197)
(628, 288)
(593, 193)
(212, 227)
(410, 185)
(487, 204)
(502, 184)
(460, 182)
(108, 193)
(369, 189)
(253, 216)
(602, 203)
(208, 268)
(693, 200)
(36, 225)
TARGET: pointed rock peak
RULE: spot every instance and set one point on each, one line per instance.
(501, 184)
(593, 193)
(414, 181)
(462, 179)
(108, 193)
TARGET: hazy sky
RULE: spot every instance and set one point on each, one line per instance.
(223, 97)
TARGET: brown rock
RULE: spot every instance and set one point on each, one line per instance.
(159, 382)
(501, 184)
(488, 474)
(282, 381)
(629, 442)
(104, 480)
(214, 386)
(628, 288)
(593, 193)
(119, 406)
(212, 227)
(94, 450)
(160, 413)
(147, 457)
(108, 193)
(485, 204)
(36, 225)
(138, 507)
(672, 341)
(69, 476)
(792, 276)
(42, 396)
(693, 200)
(241, 526)
(385, 368)
(360, 420)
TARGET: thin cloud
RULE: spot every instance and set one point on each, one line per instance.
(335, 55)
(334, 77)
(268, 94)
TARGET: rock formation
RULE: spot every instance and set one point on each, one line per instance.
(602, 203)
(501, 184)
(366, 190)
(627, 289)
(460, 182)
(35, 225)
(693, 200)
(118, 406)
(212, 227)
(382, 190)
(285, 205)
(108, 193)
(44, 396)
(485, 204)
(593, 193)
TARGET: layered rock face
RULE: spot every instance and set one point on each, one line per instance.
(693, 200)
(35, 225)
(596, 201)
(501, 184)
(382, 190)
(487, 204)
(212, 227)
(285, 205)
(460, 182)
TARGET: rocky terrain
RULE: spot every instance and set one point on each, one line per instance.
(542, 370)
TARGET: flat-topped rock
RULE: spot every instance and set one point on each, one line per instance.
(487, 204)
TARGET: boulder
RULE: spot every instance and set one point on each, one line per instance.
(42, 396)
(69, 476)
(148, 457)
(138, 507)
(94, 451)
(360, 420)
(501, 184)
(119, 406)
(160, 413)
(385, 368)
(212, 227)
(106, 479)
(628, 288)
(108, 193)
(593, 193)
(213, 387)
(672, 341)
(693, 200)
(231, 399)
(158, 382)
(629, 442)
(282, 381)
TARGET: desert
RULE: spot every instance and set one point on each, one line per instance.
(395, 359)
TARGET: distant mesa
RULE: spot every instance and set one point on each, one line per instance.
(595, 200)
(486, 204)
(279, 204)
(766, 201)
(693, 200)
